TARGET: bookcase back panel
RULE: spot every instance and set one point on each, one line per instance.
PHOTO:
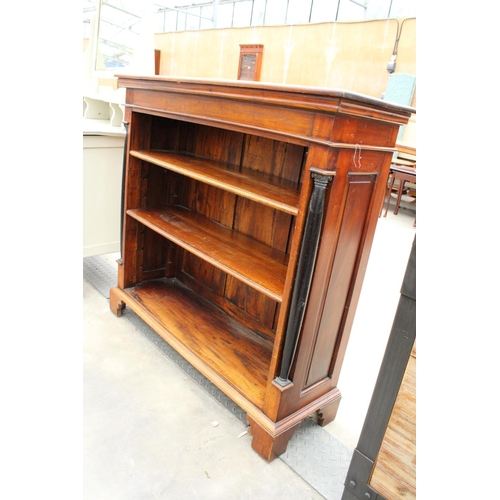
(209, 201)
(165, 134)
(210, 142)
(210, 281)
(152, 255)
(237, 299)
(154, 186)
(256, 304)
(280, 159)
(262, 223)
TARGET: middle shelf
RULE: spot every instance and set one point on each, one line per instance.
(262, 188)
(258, 265)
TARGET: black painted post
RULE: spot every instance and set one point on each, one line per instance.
(305, 269)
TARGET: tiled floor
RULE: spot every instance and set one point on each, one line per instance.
(150, 431)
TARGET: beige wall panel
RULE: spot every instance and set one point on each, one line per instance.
(350, 56)
(190, 53)
(362, 51)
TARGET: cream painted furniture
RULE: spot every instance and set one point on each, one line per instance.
(102, 181)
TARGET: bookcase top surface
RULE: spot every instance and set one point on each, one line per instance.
(236, 88)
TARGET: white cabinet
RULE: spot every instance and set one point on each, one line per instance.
(102, 186)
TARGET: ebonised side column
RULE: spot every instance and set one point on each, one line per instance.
(305, 271)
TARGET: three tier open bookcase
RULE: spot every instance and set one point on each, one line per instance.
(249, 211)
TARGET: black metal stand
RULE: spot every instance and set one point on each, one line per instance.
(386, 390)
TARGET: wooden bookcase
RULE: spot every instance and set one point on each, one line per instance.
(248, 214)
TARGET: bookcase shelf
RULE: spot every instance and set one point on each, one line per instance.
(240, 357)
(248, 214)
(257, 265)
(253, 185)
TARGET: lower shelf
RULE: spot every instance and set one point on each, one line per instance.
(204, 335)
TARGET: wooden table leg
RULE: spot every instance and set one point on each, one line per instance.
(400, 193)
(389, 191)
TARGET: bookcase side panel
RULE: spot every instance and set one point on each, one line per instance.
(138, 137)
(352, 206)
(328, 322)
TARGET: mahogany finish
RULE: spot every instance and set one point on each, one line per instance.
(249, 213)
